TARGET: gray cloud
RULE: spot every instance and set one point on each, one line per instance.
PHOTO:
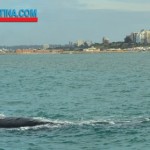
(121, 5)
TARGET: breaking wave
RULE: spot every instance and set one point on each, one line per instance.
(2, 115)
(59, 124)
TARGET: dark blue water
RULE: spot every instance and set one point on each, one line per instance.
(96, 101)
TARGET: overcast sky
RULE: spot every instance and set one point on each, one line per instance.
(61, 21)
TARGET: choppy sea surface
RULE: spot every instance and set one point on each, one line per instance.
(96, 101)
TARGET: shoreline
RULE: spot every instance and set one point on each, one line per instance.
(73, 52)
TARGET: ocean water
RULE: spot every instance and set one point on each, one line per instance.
(96, 101)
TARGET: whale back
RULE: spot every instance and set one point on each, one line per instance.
(16, 122)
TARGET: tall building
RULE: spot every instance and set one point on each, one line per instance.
(45, 46)
(142, 37)
(105, 40)
(89, 43)
(80, 42)
(147, 36)
(133, 37)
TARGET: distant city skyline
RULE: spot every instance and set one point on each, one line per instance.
(61, 21)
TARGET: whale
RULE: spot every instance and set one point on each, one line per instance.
(17, 122)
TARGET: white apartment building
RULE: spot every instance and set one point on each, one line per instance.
(143, 36)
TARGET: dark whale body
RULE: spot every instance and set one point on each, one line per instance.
(16, 122)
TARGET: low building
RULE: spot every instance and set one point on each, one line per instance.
(91, 49)
(25, 51)
(56, 51)
(35, 51)
(31, 51)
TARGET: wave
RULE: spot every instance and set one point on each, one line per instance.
(2, 115)
(84, 123)
(59, 124)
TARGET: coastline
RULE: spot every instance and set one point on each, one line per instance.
(28, 52)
